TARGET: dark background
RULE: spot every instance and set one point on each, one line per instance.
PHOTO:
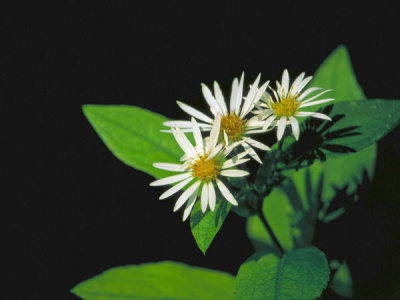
(71, 210)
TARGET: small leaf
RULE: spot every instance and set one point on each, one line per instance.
(205, 226)
(162, 280)
(133, 136)
(300, 274)
(342, 282)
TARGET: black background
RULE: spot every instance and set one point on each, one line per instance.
(71, 210)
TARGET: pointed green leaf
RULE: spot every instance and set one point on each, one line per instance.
(163, 280)
(205, 226)
(342, 282)
(300, 274)
(336, 73)
(133, 136)
(374, 118)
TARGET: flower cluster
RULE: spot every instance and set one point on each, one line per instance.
(205, 164)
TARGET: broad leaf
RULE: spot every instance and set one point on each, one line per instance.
(163, 280)
(374, 119)
(133, 136)
(206, 225)
(334, 73)
(300, 274)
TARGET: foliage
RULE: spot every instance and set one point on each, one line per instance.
(291, 192)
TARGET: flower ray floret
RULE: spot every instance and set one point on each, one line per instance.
(235, 121)
(203, 165)
(286, 103)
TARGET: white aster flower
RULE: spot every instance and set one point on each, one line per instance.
(234, 122)
(203, 165)
(288, 103)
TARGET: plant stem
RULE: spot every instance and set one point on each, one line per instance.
(269, 229)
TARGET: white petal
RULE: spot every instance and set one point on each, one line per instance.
(253, 89)
(285, 82)
(281, 127)
(197, 135)
(254, 122)
(183, 142)
(170, 179)
(210, 98)
(251, 152)
(183, 130)
(315, 102)
(220, 98)
(194, 112)
(204, 197)
(295, 127)
(214, 133)
(215, 151)
(312, 114)
(265, 113)
(268, 122)
(235, 86)
(234, 173)
(304, 114)
(211, 196)
(175, 188)
(169, 167)
(183, 124)
(250, 103)
(260, 92)
(230, 163)
(257, 144)
(230, 148)
(279, 91)
(303, 83)
(321, 116)
(296, 83)
(189, 206)
(255, 131)
(239, 95)
(265, 96)
(308, 91)
(226, 139)
(186, 194)
(226, 193)
(316, 96)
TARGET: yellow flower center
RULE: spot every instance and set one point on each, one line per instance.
(233, 126)
(286, 107)
(206, 170)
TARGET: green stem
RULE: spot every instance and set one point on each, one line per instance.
(264, 220)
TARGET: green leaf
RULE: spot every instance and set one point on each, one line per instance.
(163, 280)
(336, 73)
(374, 119)
(342, 282)
(346, 169)
(205, 226)
(133, 136)
(276, 210)
(300, 274)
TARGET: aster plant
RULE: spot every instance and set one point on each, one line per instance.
(210, 167)
(235, 122)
